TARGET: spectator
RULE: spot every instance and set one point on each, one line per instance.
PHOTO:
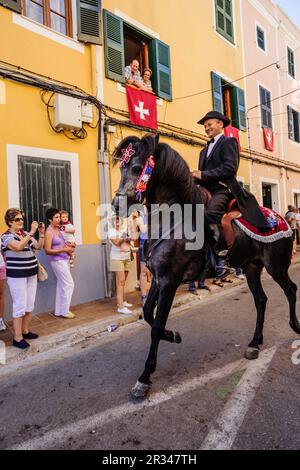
(68, 232)
(146, 82)
(132, 73)
(140, 220)
(297, 216)
(2, 282)
(21, 263)
(59, 254)
(120, 262)
(290, 217)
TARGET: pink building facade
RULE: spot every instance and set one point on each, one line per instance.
(271, 44)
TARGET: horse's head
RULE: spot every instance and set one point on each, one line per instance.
(136, 157)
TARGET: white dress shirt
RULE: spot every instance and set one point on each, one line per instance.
(212, 144)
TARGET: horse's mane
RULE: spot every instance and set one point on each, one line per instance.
(171, 170)
(171, 173)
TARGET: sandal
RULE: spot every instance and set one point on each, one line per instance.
(218, 282)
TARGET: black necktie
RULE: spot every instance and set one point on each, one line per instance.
(212, 141)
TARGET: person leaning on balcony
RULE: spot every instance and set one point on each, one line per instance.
(59, 255)
(21, 269)
(132, 73)
(146, 82)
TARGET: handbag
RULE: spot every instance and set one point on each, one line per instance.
(42, 274)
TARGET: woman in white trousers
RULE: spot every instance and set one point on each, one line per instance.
(59, 256)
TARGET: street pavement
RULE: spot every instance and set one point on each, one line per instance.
(204, 394)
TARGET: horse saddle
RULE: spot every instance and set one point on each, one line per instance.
(232, 212)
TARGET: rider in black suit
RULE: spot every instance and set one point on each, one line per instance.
(218, 165)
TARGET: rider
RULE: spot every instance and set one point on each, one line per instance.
(218, 166)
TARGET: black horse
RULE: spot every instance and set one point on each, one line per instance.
(169, 261)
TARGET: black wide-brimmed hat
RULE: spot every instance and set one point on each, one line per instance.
(215, 115)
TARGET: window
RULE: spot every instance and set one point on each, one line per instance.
(266, 107)
(123, 43)
(43, 183)
(224, 19)
(229, 100)
(293, 124)
(260, 36)
(56, 14)
(291, 62)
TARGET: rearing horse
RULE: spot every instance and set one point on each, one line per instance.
(169, 261)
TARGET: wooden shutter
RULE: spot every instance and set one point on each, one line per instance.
(224, 19)
(291, 62)
(15, 5)
(89, 21)
(114, 47)
(43, 183)
(161, 69)
(266, 108)
(216, 82)
(60, 185)
(238, 108)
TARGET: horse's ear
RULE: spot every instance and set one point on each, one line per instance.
(150, 142)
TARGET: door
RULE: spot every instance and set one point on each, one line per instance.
(43, 183)
(267, 196)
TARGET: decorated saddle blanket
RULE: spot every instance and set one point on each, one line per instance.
(279, 228)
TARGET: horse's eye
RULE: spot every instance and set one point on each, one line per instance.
(136, 170)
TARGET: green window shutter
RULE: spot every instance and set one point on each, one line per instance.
(238, 108)
(15, 5)
(291, 62)
(290, 123)
(266, 107)
(216, 82)
(114, 47)
(89, 21)
(161, 69)
(224, 19)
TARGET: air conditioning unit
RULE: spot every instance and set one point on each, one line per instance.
(67, 112)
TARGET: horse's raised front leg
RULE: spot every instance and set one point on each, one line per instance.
(253, 274)
(150, 303)
(165, 298)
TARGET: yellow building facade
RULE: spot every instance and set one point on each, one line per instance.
(43, 167)
(201, 58)
(57, 57)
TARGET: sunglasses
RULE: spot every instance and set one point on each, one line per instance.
(18, 219)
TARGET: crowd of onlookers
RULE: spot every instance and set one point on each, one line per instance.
(19, 265)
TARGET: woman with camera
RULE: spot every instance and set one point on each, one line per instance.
(21, 270)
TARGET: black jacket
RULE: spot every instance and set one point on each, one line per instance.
(221, 167)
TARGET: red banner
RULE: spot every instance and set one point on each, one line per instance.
(142, 107)
(269, 139)
(230, 131)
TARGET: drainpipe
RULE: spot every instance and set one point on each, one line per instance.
(104, 192)
(102, 160)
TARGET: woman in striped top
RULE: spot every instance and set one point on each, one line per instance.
(21, 271)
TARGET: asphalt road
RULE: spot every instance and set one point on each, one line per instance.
(204, 394)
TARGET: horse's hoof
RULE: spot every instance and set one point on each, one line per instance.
(251, 353)
(140, 390)
(177, 337)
